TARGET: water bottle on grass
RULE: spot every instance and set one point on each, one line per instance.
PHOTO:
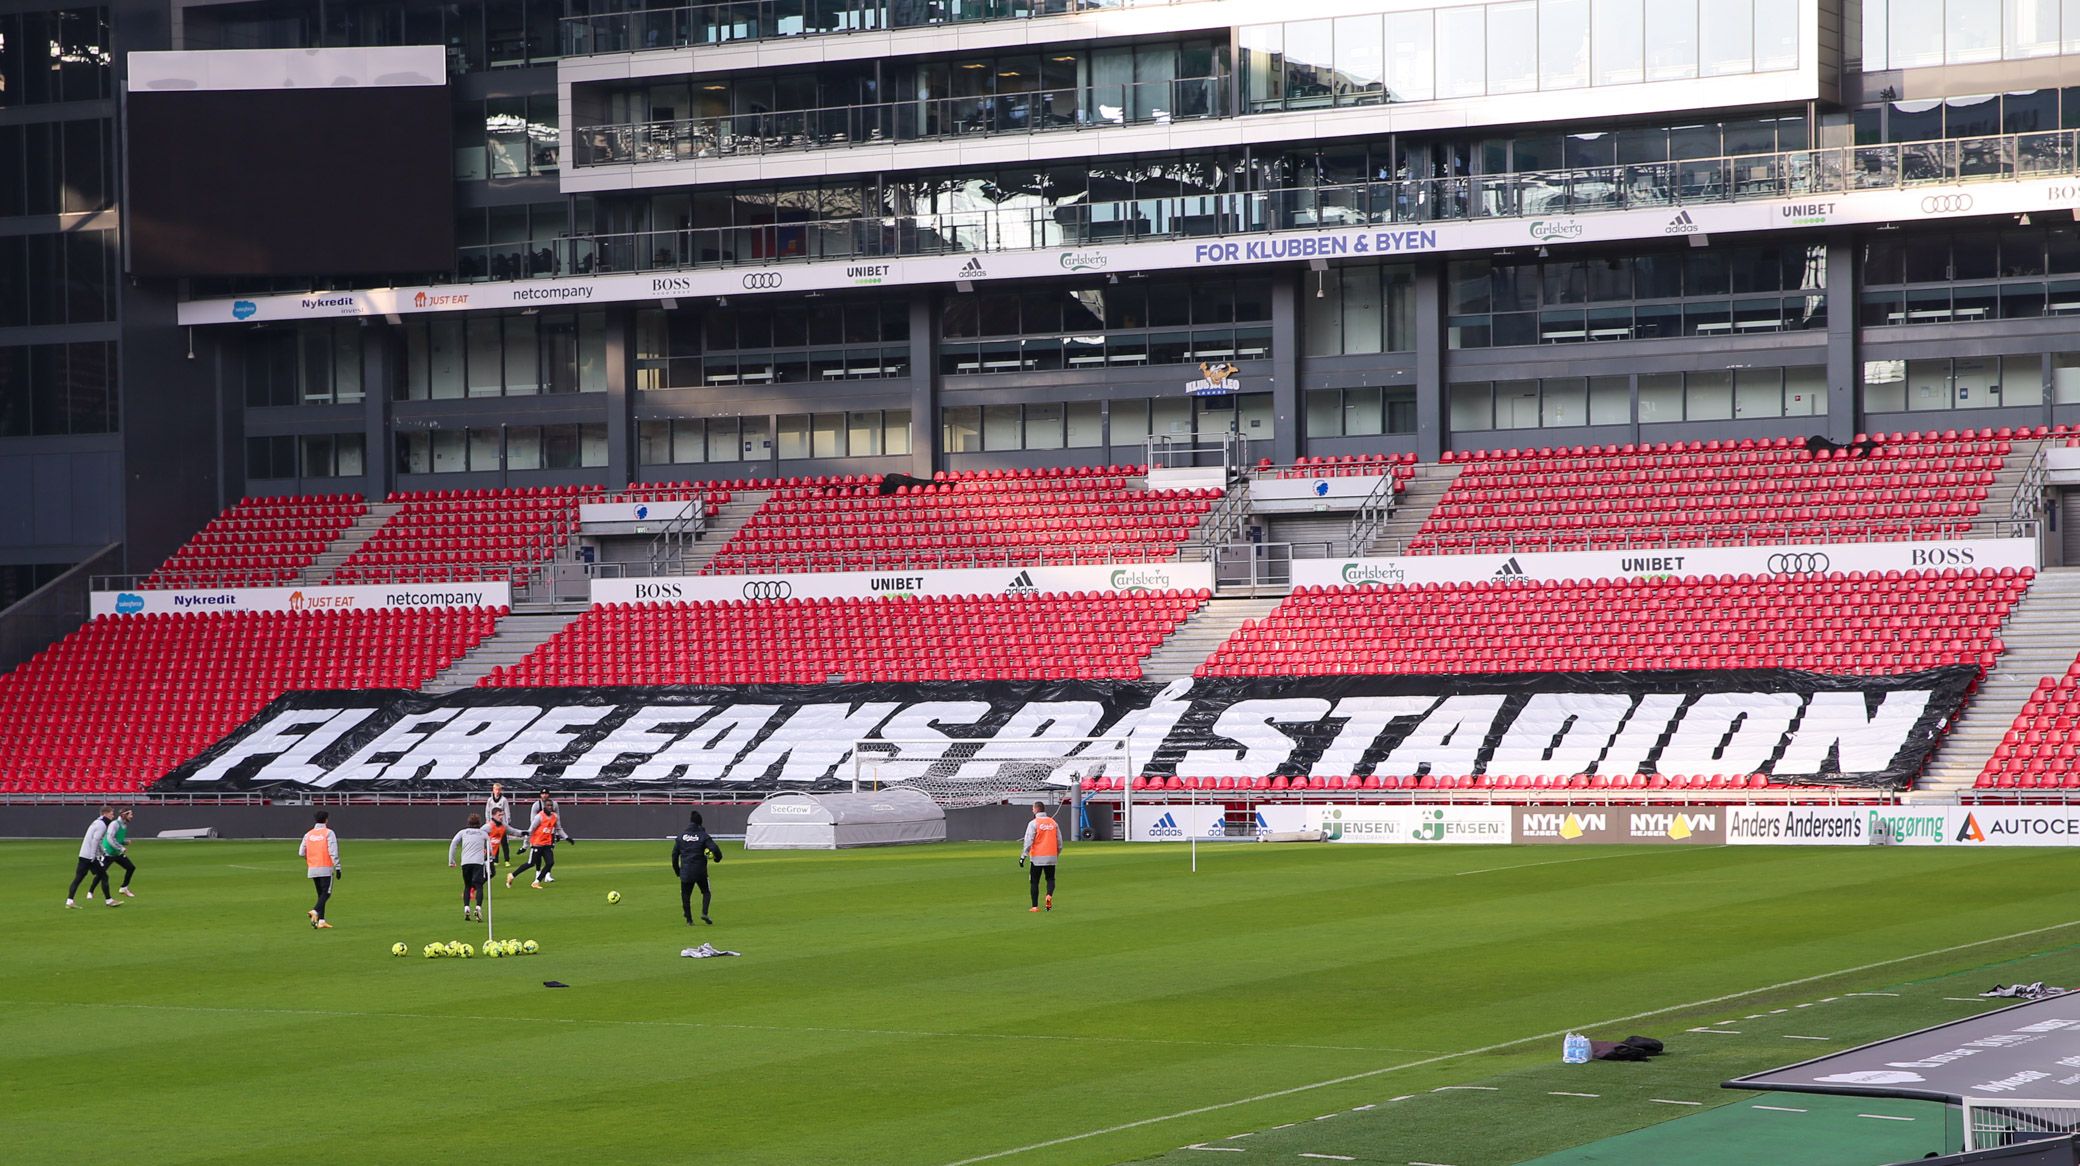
(1574, 1050)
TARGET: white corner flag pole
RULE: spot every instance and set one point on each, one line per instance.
(1195, 830)
(489, 870)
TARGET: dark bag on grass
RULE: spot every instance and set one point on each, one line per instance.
(1645, 1044)
(1605, 1050)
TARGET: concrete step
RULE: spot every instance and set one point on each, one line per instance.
(2042, 635)
(517, 635)
(722, 526)
(1413, 507)
(350, 540)
(1195, 639)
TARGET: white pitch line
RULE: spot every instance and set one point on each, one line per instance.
(1666, 1101)
(1788, 1036)
(1250, 1134)
(1429, 1164)
(1482, 1088)
(1883, 1117)
(1327, 1116)
(1362, 1108)
(1719, 1031)
(1870, 993)
(1966, 999)
(1330, 1157)
(1404, 1066)
(1403, 1097)
(1218, 1149)
(1778, 1108)
(1564, 1093)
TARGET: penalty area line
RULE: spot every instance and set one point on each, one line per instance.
(1404, 1066)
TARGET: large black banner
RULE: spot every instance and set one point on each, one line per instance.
(1794, 726)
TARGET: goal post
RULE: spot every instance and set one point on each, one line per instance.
(958, 771)
(1991, 1123)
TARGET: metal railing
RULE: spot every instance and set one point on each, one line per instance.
(1374, 513)
(1839, 170)
(925, 119)
(907, 560)
(651, 29)
(2027, 504)
(1733, 535)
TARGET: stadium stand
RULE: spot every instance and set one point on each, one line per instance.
(1028, 517)
(455, 535)
(1894, 622)
(1402, 466)
(115, 705)
(1915, 485)
(2038, 752)
(1008, 637)
(260, 542)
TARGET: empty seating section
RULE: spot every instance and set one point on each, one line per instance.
(114, 705)
(1013, 637)
(707, 492)
(1706, 493)
(1852, 623)
(1401, 466)
(982, 519)
(260, 542)
(2041, 750)
(453, 535)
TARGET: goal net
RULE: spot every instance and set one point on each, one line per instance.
(1990, 1123)
(955, 771)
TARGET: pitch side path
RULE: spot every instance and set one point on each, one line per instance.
(902, 1006)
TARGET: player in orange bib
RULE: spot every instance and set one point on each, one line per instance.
(320, 853)
(1043, 847)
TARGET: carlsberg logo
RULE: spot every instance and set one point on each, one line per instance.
(1139, 579)
(1371, 574)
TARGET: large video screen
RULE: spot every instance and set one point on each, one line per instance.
(306, 181)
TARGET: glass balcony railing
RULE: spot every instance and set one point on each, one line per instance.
(715, 24)
(923, 120)
(1023, 222)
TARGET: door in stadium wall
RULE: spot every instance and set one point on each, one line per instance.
(2069, 525)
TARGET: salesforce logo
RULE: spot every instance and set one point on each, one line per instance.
(128, 603)
(243, 309)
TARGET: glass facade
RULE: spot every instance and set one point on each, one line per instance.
(514, 355)
(1942, 383)
(1361, 308)
(1521, 46)
(1361, 412)
(309, 364)
(1691, 291)
(1133, 322)
(51, 389)
(2006, 273)
(508, 447)
(763, 341)
(55, 56)
(1919, 34)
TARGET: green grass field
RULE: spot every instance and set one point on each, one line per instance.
(903, 1007)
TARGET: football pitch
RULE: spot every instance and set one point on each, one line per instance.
(1285, 1003)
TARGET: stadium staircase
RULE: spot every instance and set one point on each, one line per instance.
(1194, 640)
(516, 637)
(1306, 532)
(723, 525)
(2042, 634)
(342, 548)
(1424, 491)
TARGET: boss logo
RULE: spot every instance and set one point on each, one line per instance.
(1941, 556)
(660, 591)
(768, 589)
(762, 281)
(1941, 204)
(1801, 563)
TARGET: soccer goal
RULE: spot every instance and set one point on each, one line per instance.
(1993, 1122)
(956, 771)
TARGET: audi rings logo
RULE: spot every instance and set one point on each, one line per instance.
(768, 589)
(1800, 563)
(762, 281)
(1945, 204)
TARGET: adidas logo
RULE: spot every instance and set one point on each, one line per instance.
(1022, 584)
(1510, 569)
(1166, 827)
(972, 269)
(1682, 224)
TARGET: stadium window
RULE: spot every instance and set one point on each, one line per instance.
(592, 444)
(1928, 386)
(56, 389)
(450, 451)
(1660, 397)
(1884, 386)
(270, 457)
(524, 447)
(1758, 392)
(1610, 400)
(960, 429)
(827, 435)
(654, 443)
(895, 432)
(560, 447)
(1127, 422)
(1001, 428)
(1805, 391)
(1472, 407)
(2022, 380)
(334, 455)
(1324, 413)
(791, 434)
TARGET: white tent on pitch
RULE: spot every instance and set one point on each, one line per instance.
(890, 817)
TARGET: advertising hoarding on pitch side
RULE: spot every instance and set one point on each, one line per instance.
(1117, 578)
(356, 598)
(1787, 562)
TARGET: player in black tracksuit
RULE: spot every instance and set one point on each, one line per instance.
(690, 853)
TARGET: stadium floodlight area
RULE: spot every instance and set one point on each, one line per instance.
(1991, 1123)
(981, 771)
